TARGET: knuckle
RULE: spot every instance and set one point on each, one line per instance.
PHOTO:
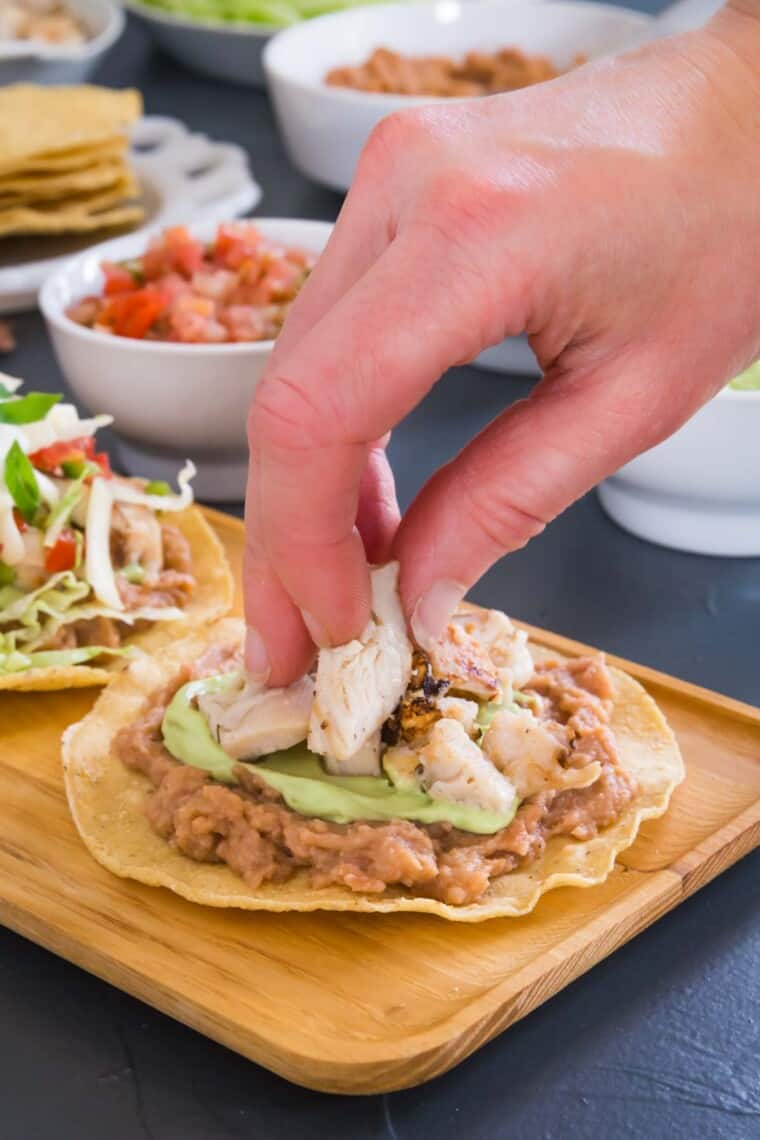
(282, 415)
(504, 524)
(389, 141)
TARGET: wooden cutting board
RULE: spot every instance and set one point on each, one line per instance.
(365, 1003)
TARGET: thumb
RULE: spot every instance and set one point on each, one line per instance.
(523, 470)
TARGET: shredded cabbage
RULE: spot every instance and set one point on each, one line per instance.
(60, 424)
(97, 557)
(16, 662)
(36, 617)
(11, 542)
(64, 509)
(129, 493)
(10, 383)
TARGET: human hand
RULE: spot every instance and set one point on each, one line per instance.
(611, 214)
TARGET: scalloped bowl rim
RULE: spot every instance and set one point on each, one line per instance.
(92, 47)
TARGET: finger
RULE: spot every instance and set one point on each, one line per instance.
(378, 515)
(521, 472)
(361, 233)
(360, 369)
(278, 647)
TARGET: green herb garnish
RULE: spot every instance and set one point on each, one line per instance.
(28, 409)
(7, 574)
(157, 487)
(21, 481)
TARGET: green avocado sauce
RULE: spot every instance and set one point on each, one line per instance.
(300, 777)
(749, 380)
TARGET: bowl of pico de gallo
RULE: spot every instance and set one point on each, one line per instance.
(173, 333)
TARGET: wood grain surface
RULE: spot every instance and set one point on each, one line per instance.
(358, 1004)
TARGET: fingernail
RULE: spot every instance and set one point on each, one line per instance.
(317, 631)
(434, 609)
(256, 656)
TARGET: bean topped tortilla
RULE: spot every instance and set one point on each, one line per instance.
(464, 780)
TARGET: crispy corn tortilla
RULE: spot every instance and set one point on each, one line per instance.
(211, 598)
(106, 801)
(61, 162)
(38, 121)
(25, 189)
(77, 213)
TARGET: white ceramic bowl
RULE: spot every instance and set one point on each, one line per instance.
(221, 49)
(699, 490)
(30, 62)
(170, 401)
(325, 127)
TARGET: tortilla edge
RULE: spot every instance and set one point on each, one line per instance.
(611, 842)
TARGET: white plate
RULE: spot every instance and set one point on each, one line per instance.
(184, 177)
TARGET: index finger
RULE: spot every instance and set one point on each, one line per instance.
(359, 370)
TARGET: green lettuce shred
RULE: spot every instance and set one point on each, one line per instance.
(16, 662)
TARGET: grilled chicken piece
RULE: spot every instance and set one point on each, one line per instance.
(454, 768)
(531, 757)
(460, 657)
(359, 684)
(365, 762)
(457, 708)
(136, 538)
(482, 654)
(252, 721)
(507, 647)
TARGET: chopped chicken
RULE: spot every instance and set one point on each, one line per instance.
(359, 684)
(365, 762)
(136, 538)
(507, 646)
(459, 656)
(482, 653)
(531, 757)
(454, 768)
(403, 766)
(252, 721)
(457, 708)
(31, 572)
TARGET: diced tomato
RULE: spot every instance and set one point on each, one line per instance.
(63, 555)
(174, 250)
(52, 458)
(236, 243)
(117, 279)
(19, 520)
(132, 314)
(103, 463)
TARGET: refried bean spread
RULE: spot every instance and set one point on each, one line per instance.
(477, 73)
(248, 825)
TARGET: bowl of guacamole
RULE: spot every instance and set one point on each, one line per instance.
(224, 38)
(747, 381)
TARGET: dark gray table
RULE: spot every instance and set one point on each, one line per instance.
(660, 1041)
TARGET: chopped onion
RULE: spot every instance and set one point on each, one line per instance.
(10, 383)
(48, 490)
(98, 566)
(12, 549)
(60, 424)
